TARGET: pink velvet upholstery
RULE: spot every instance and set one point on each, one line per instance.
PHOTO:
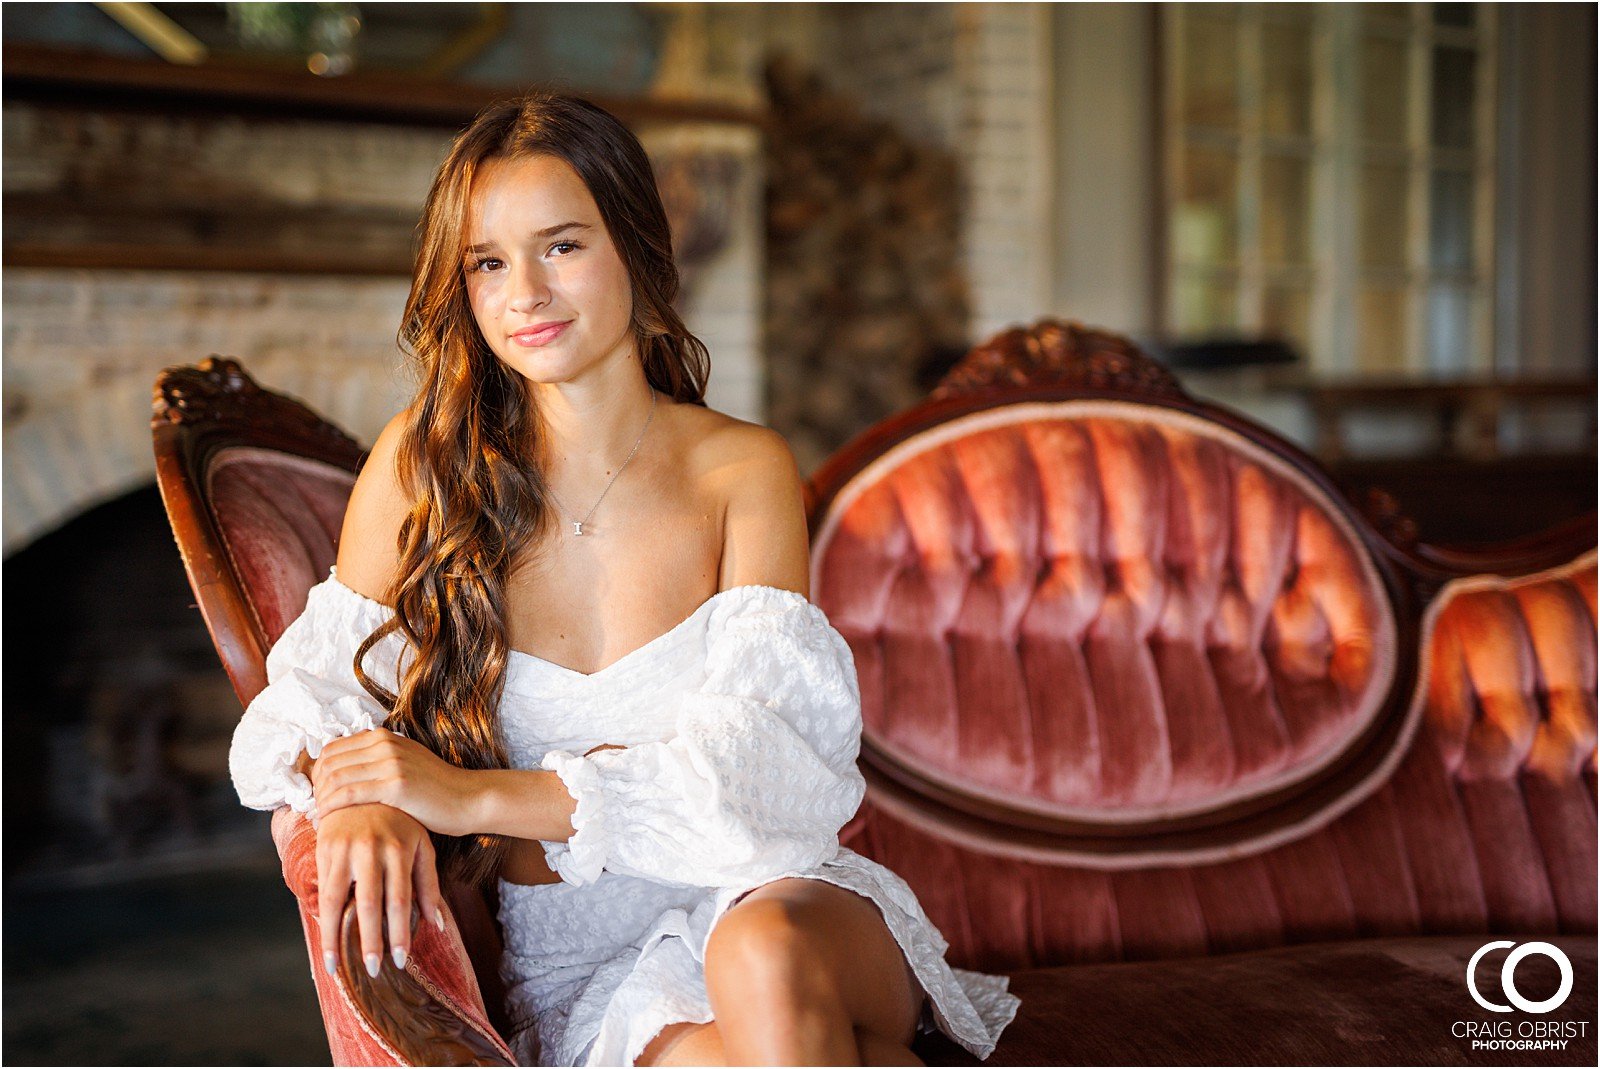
(1086, 608)
(1351, 1002)
(279, 516)
(440, 960)
(1106, 612)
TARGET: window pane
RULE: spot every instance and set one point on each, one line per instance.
(1453, 70)
(1284, 315)
(1285, 209)
(1383, 216)
(1383, 330)
(1384, 83)
(1206, 305)
(1450, 329)
(1453, 15)
(1450, 224)
(1210, 71)
(1286, 94)
(1205, 223)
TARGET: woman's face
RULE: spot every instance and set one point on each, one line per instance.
(538, 255)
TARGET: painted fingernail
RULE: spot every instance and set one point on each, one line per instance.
(399, 955)
(330, 963)
(438, 917)
(372, 964)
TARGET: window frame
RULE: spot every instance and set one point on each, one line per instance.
(1334, 272)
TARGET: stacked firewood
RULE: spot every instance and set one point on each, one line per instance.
(865, 292)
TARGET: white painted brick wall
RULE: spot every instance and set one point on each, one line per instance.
(723, 305)
(977, 79)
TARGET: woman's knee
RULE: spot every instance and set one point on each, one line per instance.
(685, 1043)
(769, 948)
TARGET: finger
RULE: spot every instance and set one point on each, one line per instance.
(425, 877)
(361, 740)
(333, 891)
(369, 908)
(351, 794)
(397, 883)
(353, 768)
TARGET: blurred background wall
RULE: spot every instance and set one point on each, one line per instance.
(1370, 226)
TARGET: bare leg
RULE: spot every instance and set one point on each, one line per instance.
(701, 1044)
(880, 1050)
(685, 1044)
(799, 969)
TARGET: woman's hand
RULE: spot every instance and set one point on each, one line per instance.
(380, 766)
(389, 858)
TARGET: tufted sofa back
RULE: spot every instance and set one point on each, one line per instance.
(1104, 611)
(1137, 680)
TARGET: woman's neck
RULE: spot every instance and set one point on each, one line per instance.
(590, 426)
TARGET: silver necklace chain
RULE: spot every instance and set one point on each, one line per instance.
(577, 525)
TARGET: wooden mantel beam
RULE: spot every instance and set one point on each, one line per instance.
(47, 74)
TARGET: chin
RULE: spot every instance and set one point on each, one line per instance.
(545, 367)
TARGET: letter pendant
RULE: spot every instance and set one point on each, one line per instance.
(577, 527)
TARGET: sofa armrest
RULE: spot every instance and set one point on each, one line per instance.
(1510, 682)
(429, 1013)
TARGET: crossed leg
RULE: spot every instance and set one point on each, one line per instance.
(800, 972)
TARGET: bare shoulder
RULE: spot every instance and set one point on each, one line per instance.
(369, 555)
(724, 443)
(750, 471)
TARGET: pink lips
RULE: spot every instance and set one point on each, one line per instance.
(535, 336)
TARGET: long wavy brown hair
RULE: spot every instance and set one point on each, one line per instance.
(468, 454)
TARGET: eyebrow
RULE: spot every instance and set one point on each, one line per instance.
(549, 231)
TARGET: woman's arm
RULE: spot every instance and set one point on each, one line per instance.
(525, 805)
(380, 766)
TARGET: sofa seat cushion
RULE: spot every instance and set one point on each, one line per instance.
(1355, 1002)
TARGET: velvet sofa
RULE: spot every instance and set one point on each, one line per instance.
(1217, 764)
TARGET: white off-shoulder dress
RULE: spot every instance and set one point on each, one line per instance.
(741, 727)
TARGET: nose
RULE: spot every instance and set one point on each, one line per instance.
(529, 288)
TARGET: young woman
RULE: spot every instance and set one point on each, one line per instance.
(568, 634)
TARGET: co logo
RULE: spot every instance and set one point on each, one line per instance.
(1508, 976)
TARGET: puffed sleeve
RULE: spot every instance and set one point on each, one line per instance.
(312, 696)
(760, 774)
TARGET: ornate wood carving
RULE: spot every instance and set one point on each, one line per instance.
(218, 390)
(1384, 512)
(1054, 352)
